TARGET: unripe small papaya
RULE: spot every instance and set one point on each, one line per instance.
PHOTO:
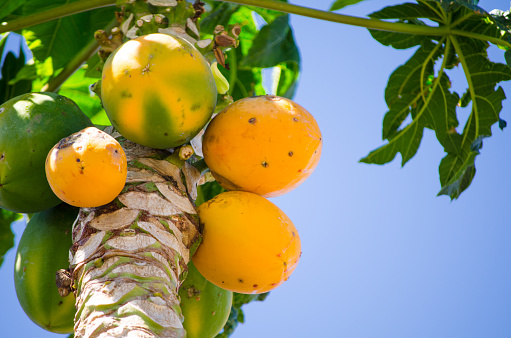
(205, 306)
(43, 250)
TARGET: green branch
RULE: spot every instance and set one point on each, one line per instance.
(54, 13)
(396, 27)
(369, 23)
(82, 56)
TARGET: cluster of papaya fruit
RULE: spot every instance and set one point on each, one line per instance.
(158, 91)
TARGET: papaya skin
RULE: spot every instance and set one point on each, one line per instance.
(248, 244)
(267, 145)
(42, 251)
(30, 125)
(205, 306)
(158, 90)
(87, 169)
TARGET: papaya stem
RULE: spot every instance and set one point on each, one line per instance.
(344, 19)
(54, 13)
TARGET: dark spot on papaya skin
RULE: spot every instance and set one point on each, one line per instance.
(28, 131)
(166, 134)
(125, 94)
(285, 264)
(293, 233)
(61, 302)
(2, 157)
(295, 119)
(264, 164)
(77, 160)
(178, 99)
(195, 107)
(255, 285)
(240, 280)
(290, 153)
(116, 151)
(252, 120)
(223, 282)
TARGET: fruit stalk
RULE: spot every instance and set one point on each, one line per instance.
(130, 256)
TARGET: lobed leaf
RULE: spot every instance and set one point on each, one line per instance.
(420, 90)
(338, 4)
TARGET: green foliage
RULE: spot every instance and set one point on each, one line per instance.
(56, 42)
(338, 4)
(10, 68)
(6, 235)
(422, 92)
(273, 46)
(77, 88)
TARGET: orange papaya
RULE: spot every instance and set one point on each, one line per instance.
(30, 125)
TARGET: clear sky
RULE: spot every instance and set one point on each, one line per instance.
(382, 255)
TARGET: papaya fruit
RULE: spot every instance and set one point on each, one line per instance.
(42, 251)
(30, 125)
(87, 169)
(248, 244)
(158, 90)
(205, 306)
(267, 145)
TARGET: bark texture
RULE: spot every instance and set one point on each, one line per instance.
(130, 256)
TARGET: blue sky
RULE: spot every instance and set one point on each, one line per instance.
(382, 255)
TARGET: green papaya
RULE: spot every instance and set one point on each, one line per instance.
(42, 251)
(205, 306)
(30, 125)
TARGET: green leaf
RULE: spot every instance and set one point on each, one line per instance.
(408, 11)
(273, 45)
(418, 93)
(287, 81)
(338, 4)
(6, 235)
(10, 68)
(63, 38)
(409, 91)
(77, 88)
(207, 191)
(220, 15)
(10, 6)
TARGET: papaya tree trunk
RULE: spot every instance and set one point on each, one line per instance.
(129, 257)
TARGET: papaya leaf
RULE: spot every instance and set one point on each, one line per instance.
(420, 90)
(11, 66)
(6, 235)
(287, 79)
(94, 67)
(77, 88)
(220, 15)
(9, 7)
(409, 88)
(207, 191)
(338, 4)
(63, 38)
(273, 45)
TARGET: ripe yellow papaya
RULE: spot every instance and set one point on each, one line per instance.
(30, 125)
